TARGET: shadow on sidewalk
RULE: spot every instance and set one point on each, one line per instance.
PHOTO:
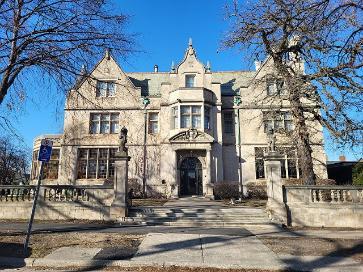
(12, 255)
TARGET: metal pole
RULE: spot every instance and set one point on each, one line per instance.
(240, 157)
(144, 155)
(33, 208)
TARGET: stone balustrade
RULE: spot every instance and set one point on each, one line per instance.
(328, 206)
(57, 202)
(49, 192)
(17, 193)
(311, 194)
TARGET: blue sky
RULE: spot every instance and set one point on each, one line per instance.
(163, 29)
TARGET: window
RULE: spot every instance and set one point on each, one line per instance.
(190, 81)
(207, 118)
(228, 122)
(190, 116)
(96, 163)
(278, 121)
(289, 162)
(153, 122)
(175, 117)
(275, 87)
(50, 169)
(104, 123)
(105, 89)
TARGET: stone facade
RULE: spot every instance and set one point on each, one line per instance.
(196, 133)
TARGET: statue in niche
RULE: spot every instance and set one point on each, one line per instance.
(122, 149)
(271, 140)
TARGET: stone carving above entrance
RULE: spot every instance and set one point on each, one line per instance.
(192, 135)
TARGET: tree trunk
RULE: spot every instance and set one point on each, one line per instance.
(301, 134)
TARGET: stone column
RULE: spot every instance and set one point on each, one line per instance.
(275, 204)
(208, 187)
(118, 207)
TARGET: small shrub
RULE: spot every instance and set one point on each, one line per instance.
(256, 190)
(136, 188)
(226, 190)
(357, 174)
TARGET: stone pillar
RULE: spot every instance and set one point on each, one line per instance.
(118, 207)
(275, 204)
(208, 186)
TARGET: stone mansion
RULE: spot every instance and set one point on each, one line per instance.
(188, 128)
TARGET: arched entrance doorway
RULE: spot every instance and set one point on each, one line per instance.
(191, 177)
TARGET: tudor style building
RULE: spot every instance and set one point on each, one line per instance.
(192, 126)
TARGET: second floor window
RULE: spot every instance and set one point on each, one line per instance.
(207, 118)
(278, 121)
(275, 87)
(104, 123)
(228, 122)
(190, 81)
(190, 116)
(105, 89)
(153, 122)
(174, 117)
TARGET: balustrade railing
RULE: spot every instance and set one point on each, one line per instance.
(59, 193)
(325, 194)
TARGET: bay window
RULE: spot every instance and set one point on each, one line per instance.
(190, 116)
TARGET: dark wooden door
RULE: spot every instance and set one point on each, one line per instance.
(191, 177)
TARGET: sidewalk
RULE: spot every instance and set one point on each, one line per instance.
(192, 250)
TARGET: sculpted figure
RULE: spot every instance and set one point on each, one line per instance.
(271, 141)
(123, 140)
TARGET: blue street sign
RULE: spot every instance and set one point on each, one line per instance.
(45, 150)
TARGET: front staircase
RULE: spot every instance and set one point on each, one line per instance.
(197, 212)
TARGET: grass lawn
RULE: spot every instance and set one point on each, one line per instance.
(306, 246)
(11, 245)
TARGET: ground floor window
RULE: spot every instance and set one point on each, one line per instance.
(289, 162)
(96, 163)
(50, 169)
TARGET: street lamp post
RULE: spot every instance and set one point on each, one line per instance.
(237, 101)
(145, 102)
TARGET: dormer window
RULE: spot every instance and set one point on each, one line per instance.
(105, 88)
(190, 81)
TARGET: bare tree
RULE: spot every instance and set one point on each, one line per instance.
(52, 39)
(326, 35)
(14, 163)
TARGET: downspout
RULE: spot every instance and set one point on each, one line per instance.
(145, 102)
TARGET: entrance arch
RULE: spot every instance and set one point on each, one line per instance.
(191, 177)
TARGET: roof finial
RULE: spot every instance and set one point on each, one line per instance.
(172, 66)
(207, 68)
(190, 42)
(108, 53)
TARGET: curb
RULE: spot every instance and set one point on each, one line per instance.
(58, 264)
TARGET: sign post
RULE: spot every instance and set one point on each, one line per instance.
(45, 151)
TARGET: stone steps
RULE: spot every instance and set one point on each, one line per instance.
(197, 216)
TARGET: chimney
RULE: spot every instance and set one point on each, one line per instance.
(156, 68)
(257, 64)
(342, 158)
